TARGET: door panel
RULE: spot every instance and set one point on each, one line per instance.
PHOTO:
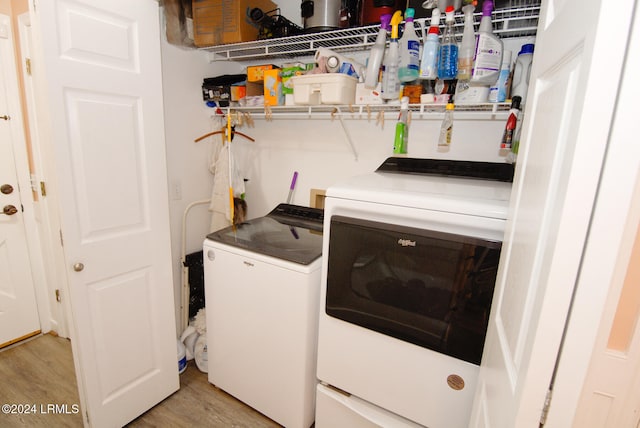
(18, 310)
(103, 73)
(515, 305)
(565, 130)
(104, 160)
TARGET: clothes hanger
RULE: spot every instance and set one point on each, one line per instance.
(224, 131)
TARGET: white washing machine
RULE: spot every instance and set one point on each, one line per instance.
(262, 288)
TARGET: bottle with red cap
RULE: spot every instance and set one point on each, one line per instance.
(429, 62)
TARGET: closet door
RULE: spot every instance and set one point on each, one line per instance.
(566, 129)
(102, 75)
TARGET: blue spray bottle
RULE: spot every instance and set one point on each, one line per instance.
(448, 62)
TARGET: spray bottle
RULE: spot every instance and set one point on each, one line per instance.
(390, 80)
(468, 45)
(402, 128)
(446, 128)
(429, 64)
(409, 50)
(377, 53)
(489, 47)
(512, 122)
(448, 62)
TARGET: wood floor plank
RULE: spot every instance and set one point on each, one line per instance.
(41, 372)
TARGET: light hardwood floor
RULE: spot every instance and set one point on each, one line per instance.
(40, 371)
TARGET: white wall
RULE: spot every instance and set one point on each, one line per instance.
(317, 149)
(186, 118)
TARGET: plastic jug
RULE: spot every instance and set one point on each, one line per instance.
(522, 72)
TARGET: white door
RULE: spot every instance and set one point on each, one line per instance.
(104, 97)
(580, 49)
(18, 310)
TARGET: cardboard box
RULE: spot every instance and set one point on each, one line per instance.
(255, 73)
(218, 22)
(286, 74)
(254, 89)
(273, 95)
(238, 92)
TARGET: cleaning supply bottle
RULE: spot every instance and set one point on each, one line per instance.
(402, 128)
(512, 155)
(489, 47)
(446, 128)
(498, 91)
(467, 46)
(409, 50)
(448, 61)
(512, 122)
(430, 51)
(390, 80)
(377, 53)
(522, 72)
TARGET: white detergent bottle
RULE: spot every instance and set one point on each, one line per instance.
(468, 45)
(489, 48)
(409, 50)
(377, 53)
(429, 62)
(522, 72)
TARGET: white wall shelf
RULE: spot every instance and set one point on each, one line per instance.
(507, 23)
(371, 113)
(484, 111)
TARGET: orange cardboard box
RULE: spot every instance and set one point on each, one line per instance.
(255, 73)
(219, 22)
(273, 94)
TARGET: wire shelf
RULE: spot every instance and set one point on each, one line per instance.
(324, 111)
(509, 22)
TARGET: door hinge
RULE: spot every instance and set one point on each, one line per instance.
(61, 239)
(545, 408)
(43, 188)
(58, 296)
(27, 64)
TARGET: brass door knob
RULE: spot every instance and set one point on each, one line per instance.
(5, 117)
(9, 210)
(78, 267)
(6, 189)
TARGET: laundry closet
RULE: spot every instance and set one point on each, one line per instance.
(324, 147)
